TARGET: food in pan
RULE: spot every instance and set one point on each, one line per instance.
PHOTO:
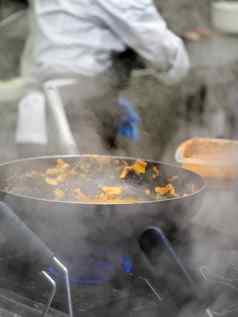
(139, 167)
(168, 190)
(79, 195)
(112, 191)
(100, 180)
(59, 194)
(155, 172)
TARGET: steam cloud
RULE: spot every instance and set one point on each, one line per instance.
(218, 210)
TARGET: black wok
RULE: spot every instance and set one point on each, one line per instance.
(69, 226)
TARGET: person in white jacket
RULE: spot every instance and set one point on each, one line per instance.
(77, 38)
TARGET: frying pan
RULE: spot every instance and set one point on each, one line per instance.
(69, 227)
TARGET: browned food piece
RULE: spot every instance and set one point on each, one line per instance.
(139, 167)
(111, 198)
(109, 193)
(125, 172)
(60, 168)
(112, 191)
(52, 171)
(61, 178)
(61, 164)
(58, 174)
(78, 195)
(148, 192)
(51, 181)
(156, 172)
(54, 181)
(59, 194)
(168, 190)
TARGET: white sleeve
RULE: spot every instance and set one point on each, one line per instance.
(140, 26)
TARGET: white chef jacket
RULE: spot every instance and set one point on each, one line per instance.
(73, 38)
(79, 37)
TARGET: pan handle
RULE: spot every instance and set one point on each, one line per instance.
(158, 253)
(21, 237)
(153, 237)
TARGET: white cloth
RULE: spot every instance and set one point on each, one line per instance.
(31, 124)
(79, 36)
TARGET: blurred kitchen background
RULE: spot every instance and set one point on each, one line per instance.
(205, 104)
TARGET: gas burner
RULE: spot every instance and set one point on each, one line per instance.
(148, 276)
(122, 278)
(96, 269)
(221, 275)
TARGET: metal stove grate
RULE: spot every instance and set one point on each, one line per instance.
(14, 305)
(222, 276)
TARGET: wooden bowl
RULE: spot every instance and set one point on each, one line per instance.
(211, 158)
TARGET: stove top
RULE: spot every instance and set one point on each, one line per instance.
(212, 265)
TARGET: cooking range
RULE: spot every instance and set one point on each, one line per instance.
(153, 267)
(132, 288)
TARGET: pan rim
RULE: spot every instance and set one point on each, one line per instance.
(81, 204)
